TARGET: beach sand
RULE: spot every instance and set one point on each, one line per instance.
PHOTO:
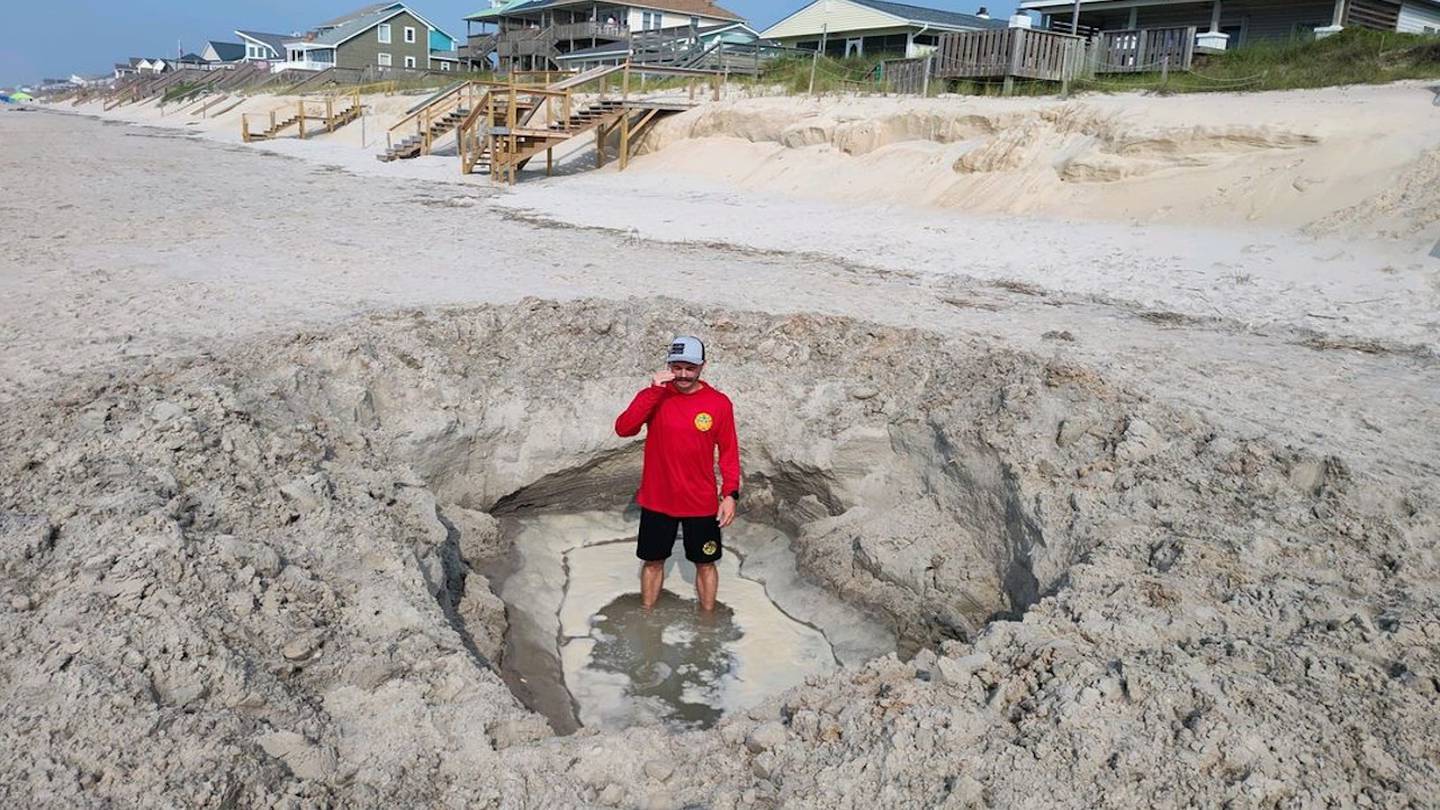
(1121, 410)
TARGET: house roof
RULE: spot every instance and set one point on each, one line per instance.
(932, 16)
(227, 51)
(713, 29)
(495, 11)
(191, 59)
(276, 42)
(363, 11)
(701, 8)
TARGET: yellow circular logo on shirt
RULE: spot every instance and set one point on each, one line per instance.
(704, 421)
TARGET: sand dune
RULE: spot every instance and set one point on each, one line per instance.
(1291, 159)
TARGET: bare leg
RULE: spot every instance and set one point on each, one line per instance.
(652, 577)
(707, 582)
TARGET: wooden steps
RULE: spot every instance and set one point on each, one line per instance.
(415, 144)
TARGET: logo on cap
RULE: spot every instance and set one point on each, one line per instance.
(686, 349)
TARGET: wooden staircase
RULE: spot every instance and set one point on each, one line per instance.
(512, 151)
(414, 145)
(432, 119)
(513, 124)
(273, 131)
(328, 111)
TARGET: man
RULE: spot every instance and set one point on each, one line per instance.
(686, 422)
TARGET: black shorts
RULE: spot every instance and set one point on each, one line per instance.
(657, 537)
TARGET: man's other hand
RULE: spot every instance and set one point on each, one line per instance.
(726, 515)
(662, 377)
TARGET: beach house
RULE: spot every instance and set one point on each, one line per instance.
(263, 47)
(1230, 23)
(842, 28)
(381, 36)
(222, 53)
(560, 34)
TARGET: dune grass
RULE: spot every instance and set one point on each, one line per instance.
(1353, 56)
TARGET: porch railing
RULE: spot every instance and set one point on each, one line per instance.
(591, 28)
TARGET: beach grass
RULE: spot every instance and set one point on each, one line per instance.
(1353, 56)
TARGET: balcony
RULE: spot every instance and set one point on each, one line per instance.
(300, 64)
(591, 29)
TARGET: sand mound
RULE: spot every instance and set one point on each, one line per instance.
(248, 580)
(1274, 158)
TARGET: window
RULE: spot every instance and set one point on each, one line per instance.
(383, 32)
(383, 59)
(409, 34)
(409, 61)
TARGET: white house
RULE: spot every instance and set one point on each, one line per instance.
(853, 27)
(263, 47)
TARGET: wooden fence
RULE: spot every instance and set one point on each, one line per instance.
(1144, 50)
(909, 76)
(1009, 53)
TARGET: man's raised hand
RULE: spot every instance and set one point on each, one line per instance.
(662, 377)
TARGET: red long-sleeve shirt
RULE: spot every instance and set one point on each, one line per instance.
(683, 432)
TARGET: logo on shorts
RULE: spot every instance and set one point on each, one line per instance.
(704, 421)
(710, 548)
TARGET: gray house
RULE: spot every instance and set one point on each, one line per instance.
(383, 35)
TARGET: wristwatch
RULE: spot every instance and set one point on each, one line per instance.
(735, 494)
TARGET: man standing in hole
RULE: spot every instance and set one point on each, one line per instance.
(686, 422)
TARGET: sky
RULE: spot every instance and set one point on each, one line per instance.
(60, 37)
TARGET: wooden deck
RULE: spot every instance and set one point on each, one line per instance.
(1021, 53)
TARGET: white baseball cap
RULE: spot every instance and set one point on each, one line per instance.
(686, 349)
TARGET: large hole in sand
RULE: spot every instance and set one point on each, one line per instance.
(580, 649)
(887, 507)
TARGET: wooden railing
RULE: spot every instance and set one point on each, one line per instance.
(1144, 50)
(1009, 53)
(589, 29)
(463, 96)
(515, 122)
(331, 111)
